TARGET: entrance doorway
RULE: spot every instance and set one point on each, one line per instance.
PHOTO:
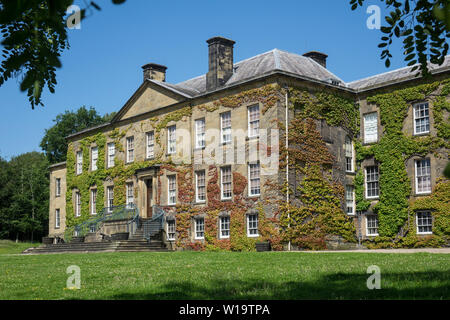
(149, 196)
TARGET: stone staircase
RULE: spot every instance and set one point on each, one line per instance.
(135, 243)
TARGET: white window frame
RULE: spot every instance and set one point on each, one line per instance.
(366, 182)
(417, 222)
(57, 218)
(367, 225)
(200, 135)
(79, 162)
(417, 105)
(171, 193)
(172, 139)
(197, 199)
(171, 231)
(110, 198)
(352, 160)
(130, 149)
(57, 187)
(130, 194)
(416, 176)
(250, 194)
(221, 229)
(150, 139)
(94, 158)
(352, 200)
(222, 183)
(93, 201)
(250, 133)
(248, 226)
(372, 140)
(77, 204)
(225, 131)
(196, 226)
(111, 154)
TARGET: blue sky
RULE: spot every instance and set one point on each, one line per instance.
(102, 68)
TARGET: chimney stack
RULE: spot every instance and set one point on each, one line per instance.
(319, 57)
(155, 72)
(220, 62)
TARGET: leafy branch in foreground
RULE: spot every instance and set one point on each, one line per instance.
(423, 25)
(34, 35)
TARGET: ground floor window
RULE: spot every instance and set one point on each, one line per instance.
(224, 227)
(170, 230)
(57, 218)
(252, 225)
(199, 228)
(92, 228)
(424, 222)
(372, 225)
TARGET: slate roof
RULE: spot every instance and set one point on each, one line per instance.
(258, 66)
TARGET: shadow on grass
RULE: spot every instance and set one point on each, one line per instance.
(414, 285)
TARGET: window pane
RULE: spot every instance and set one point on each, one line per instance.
(201, 194)
(423, 176)
(254, 179)
(226, 182)
(370, 127)
(421, 118)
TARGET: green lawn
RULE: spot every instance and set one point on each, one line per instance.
(226, 275)
(8, 246)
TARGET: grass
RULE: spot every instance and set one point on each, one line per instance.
(10, 247)
(226, 275)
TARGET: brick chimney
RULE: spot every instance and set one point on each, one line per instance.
(319, 57)
(220, 62)
(155, 72)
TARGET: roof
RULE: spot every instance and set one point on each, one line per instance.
(260, 65)
(395, 76)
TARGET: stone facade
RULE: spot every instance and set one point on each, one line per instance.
(156, 106)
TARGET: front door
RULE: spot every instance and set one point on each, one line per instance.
(148, 184)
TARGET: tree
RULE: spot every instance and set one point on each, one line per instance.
(54, 141)
(35, 35)
(424, 26)
(24, 214)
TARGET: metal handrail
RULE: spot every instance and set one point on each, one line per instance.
(157, 220)
(122, 212)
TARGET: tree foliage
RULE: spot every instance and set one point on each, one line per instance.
(423, 26)
(24, 196)
(54, 141)
(34, 35)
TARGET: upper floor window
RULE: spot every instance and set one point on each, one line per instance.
(77, 204)
(171, 139)
(79, 162)
(199, 228)
(254, 179)
(200, 186)
(172, 189)
(225, 126)
(253, 121)
(111, 154)
(58, 187)
(226, 182)
(93, 201)
(423, 176)
(171, 230)
(130, 195)
(371, 127)
(224, 227)
(421, 118)
(348, 148)
(424, 222)
(150, 144)
(110, 198)
(130, 149)
(252, 225)
(350, 199)
(200, 133)
(372, 225)
(57, 218)
(94, 158)
(372, 187)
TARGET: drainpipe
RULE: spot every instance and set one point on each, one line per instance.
(287, 161)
